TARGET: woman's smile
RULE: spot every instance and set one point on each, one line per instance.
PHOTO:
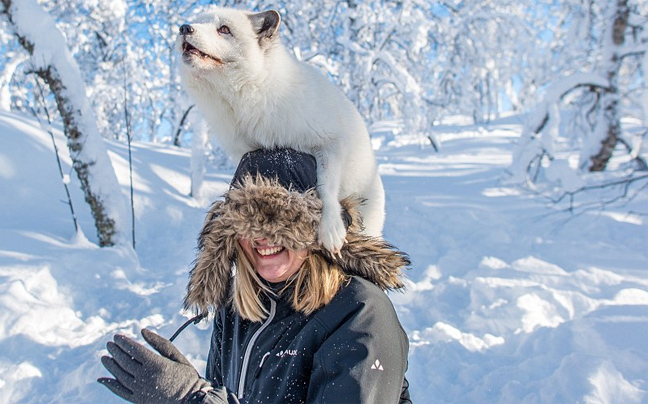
(269, 250)
(274, 263)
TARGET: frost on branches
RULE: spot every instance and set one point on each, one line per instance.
(591, 122)
(54, 64)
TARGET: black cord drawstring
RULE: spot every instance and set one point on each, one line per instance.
(195, 320)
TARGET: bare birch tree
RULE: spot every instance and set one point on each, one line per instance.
(54, 64)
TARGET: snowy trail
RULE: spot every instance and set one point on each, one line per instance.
(507, 302)
(510, 302)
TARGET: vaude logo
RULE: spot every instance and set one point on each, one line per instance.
(287, 352)
(377, 366)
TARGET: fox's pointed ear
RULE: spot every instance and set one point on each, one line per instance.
(266, 24)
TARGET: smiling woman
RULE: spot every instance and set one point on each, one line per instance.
(289, 294)
(293, 322)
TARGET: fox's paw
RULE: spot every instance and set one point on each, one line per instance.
(332, 233)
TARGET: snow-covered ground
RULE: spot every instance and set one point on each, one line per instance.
(508, 301)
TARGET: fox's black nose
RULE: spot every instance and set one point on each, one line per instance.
(186, 29)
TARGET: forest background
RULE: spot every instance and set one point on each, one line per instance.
(511, 141)
(412, 63)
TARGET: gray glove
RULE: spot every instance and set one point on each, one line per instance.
(141, 376)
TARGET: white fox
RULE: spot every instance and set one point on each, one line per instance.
(254, 94)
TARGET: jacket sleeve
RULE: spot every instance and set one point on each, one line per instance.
(364, 358)
(405, 395)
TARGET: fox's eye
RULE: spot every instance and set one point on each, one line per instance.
(224, 30)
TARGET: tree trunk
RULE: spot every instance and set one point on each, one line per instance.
(105, 224)
(176, 138)
(608, 122)
(89, 156)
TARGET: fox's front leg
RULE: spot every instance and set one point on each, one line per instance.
(329, 175)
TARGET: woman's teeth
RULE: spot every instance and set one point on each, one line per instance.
(265, 251)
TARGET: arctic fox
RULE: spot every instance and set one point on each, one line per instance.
(254, 94)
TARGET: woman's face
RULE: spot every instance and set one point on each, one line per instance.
(272, 263)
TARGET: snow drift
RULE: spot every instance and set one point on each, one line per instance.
(507, 301)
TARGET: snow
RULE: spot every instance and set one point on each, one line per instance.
(508, 301)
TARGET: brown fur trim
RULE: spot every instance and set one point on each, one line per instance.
(260, 208)
(370, 258)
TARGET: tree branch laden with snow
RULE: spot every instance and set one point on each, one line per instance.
(594, 104)
(53, 62)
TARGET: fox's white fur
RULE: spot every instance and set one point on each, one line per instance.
(254, 94)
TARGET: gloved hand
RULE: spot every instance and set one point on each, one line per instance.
(141, 376)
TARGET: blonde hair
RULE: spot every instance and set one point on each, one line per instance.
(315, 285)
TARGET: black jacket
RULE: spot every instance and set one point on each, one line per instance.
(353, 350)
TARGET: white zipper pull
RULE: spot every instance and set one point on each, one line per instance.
(265, 356)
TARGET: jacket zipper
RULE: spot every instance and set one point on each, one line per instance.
(250, 346)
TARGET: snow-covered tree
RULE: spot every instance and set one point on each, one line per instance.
(375, 51)
(489, 55)
(54, 64)
(15, 59)
(596, 91)
(606, 128)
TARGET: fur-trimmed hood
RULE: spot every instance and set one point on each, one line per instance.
(262, 208)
